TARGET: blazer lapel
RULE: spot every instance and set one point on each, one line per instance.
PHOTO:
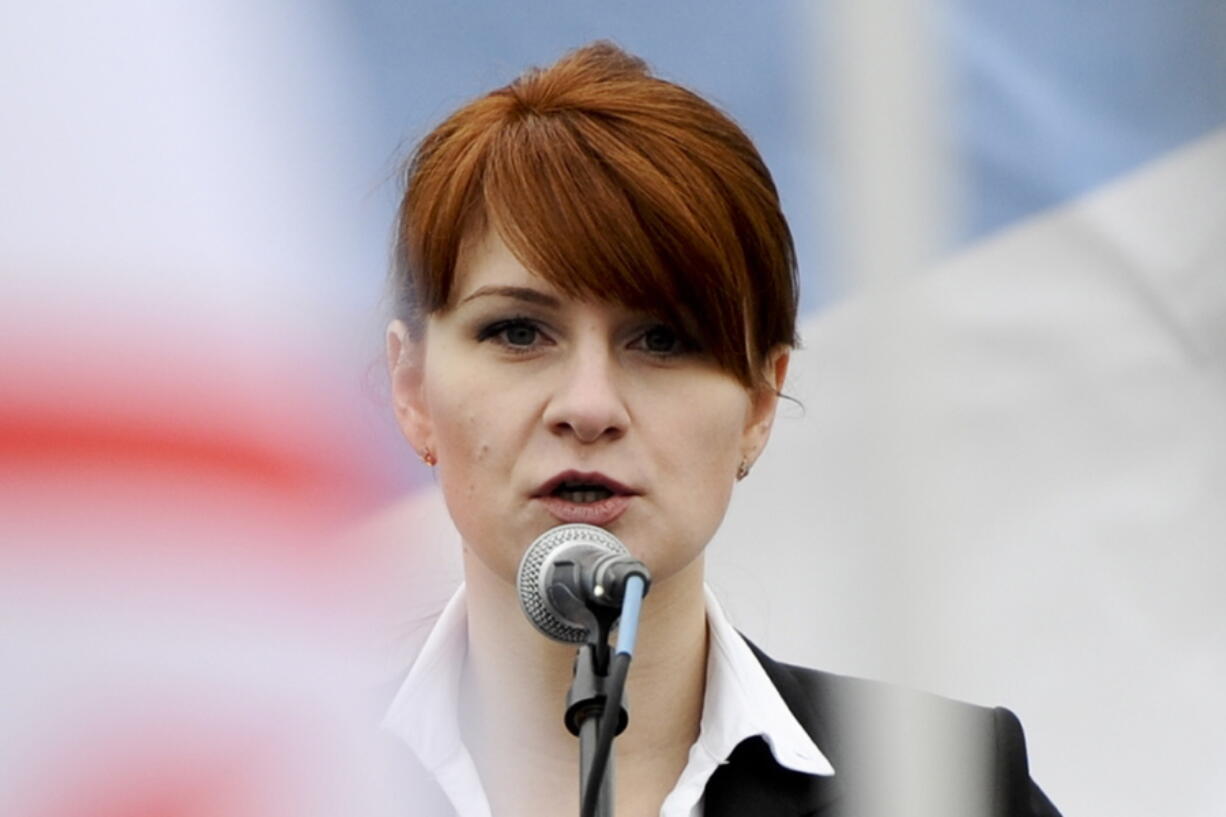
(751, 782)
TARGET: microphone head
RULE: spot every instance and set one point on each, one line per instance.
(535, 571)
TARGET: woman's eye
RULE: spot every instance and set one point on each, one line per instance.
(517, 333)
(520, 334)
(663, 341)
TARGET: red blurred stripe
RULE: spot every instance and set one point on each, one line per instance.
(30, 438)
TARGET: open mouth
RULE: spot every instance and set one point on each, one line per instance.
(583, 488)
(589, 497)
(581, 492)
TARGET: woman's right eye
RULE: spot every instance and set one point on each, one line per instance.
(515, 334)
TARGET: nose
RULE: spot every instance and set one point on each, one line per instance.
(588, 402)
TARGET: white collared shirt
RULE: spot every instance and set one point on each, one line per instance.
(740, 702)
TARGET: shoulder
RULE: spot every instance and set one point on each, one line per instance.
(871, 730)
(844, 711)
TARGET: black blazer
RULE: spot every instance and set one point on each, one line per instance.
(860, 725)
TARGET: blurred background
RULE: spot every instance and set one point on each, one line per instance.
(1004, 480)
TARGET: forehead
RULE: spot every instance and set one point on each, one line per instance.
(486, 259)
(487, 265)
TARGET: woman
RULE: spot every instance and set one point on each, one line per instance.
(598, 302)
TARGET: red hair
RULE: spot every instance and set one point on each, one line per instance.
(611, 184)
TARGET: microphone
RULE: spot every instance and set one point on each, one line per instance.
(572, 581)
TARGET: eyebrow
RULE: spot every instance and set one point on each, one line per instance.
(527, 294)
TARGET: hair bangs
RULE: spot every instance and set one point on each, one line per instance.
(599, 217)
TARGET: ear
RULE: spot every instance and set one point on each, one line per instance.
(406, 367)
(764, 399)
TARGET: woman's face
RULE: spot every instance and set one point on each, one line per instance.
(543, 409)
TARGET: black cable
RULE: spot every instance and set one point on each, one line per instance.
(619, 666)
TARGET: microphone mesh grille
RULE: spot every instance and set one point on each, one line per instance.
(532, 576)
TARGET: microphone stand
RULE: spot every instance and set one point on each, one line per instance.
(598, 680)
(585, 705)
(585, 709)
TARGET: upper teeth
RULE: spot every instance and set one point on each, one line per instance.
(584, 493)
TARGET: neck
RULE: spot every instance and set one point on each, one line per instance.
(515, 688)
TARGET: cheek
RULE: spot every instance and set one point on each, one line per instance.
(714, 454)
(463, 436)
(457, 399)
(478, 441)
(704, 433)
(697, 447)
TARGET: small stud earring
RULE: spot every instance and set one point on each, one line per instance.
(742, 471)
(427, 456)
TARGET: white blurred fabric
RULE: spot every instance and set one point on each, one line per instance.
(1008, 485)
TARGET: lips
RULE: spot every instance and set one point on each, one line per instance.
(584, 496)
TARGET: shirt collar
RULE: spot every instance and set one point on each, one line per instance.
(740, 702)
(425, 712)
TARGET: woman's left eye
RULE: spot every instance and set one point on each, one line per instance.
(662, 340)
